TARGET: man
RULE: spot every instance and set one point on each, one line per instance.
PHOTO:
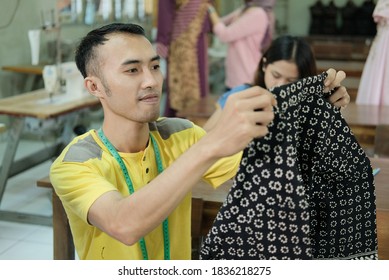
(126, 188)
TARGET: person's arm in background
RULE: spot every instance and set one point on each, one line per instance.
(221, 102)
(213, 14)
(241, 27)
(227, 19)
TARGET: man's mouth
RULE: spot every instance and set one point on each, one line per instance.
(153, 97)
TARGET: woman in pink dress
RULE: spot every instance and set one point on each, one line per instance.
(374, 85)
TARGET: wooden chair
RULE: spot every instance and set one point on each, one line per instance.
(197, 219)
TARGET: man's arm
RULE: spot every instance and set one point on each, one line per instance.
(245, 116)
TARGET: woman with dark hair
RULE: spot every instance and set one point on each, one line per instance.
(287, 60)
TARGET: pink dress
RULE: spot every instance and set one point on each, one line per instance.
(374, 85)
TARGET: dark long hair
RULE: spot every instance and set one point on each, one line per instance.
(292, 49)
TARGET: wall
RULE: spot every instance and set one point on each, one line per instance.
(293, 14)
(297, 18)
(18, 16)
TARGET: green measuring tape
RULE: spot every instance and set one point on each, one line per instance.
(165, 225)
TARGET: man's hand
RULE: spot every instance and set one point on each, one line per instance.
(245, 116)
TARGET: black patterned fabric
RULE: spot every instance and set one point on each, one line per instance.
(305, 191)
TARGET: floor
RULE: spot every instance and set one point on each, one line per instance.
(22, 241)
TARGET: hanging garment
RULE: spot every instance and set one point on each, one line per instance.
(182, 38)
(304, 191)
(374, 85)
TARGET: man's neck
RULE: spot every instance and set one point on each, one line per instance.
(130, 138)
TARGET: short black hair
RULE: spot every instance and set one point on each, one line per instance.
(85, 51)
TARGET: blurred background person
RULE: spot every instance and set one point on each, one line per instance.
(287, 60)
(183, 26)
(374, 85)
(247, 31)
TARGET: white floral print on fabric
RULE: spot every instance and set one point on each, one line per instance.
(305, 191)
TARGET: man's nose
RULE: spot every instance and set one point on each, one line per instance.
(149, 79)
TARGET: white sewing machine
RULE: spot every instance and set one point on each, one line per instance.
(63, 81)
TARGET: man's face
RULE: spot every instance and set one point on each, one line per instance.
(131, 78)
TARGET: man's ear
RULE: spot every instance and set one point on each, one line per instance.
(93, 85)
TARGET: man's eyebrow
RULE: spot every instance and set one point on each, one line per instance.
(134, 61)
(157, 57)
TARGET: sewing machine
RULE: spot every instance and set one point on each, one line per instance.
(63, 81)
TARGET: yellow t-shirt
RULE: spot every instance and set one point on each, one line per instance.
(85, 170)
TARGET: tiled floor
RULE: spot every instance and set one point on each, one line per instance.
(23, 241)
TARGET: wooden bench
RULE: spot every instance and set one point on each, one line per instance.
(62, 235)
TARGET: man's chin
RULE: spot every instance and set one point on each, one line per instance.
(153, 117)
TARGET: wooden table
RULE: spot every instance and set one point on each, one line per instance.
(206, 202)
(24, 69)
(33, 72)
(366, 114)
(35, 104)
(370, 125)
